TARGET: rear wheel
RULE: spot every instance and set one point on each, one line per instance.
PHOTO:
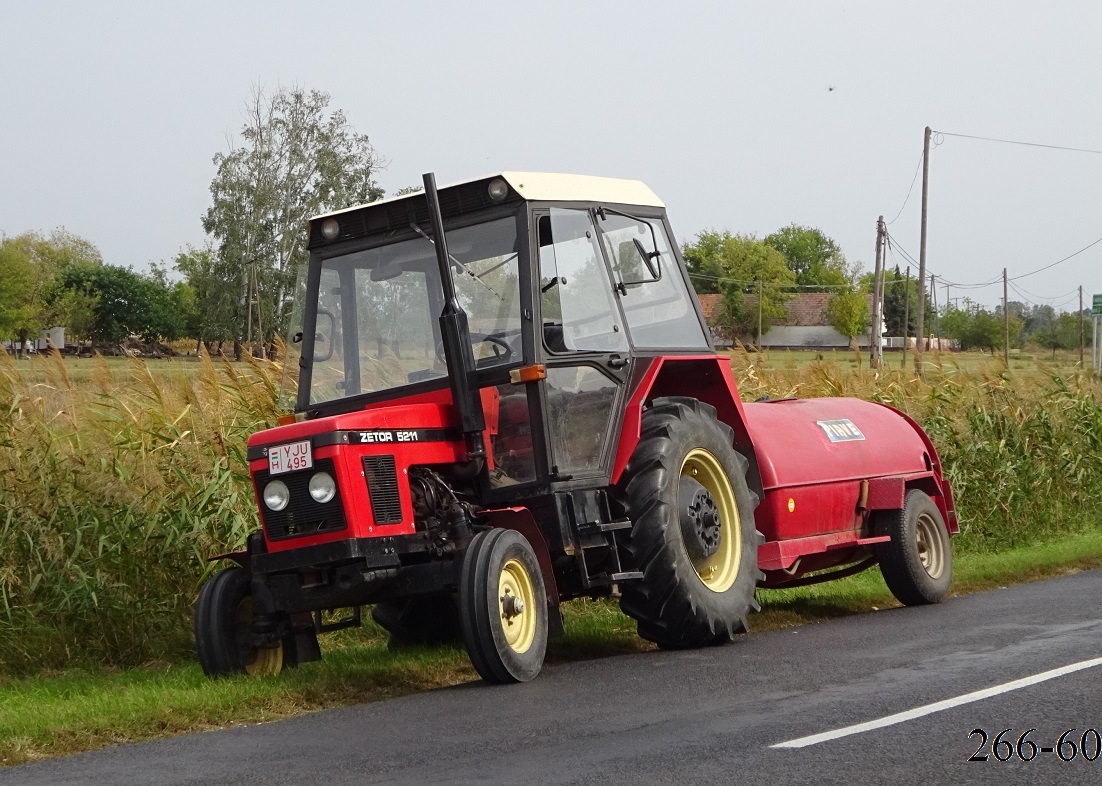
(223, 623)
(503, 607)
(693, 534)
(918, 562)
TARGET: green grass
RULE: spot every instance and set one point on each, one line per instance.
(38, 370)
(59, 714)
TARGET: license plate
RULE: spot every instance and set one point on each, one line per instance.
(289, 458)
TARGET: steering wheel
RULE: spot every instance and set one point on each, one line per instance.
(503, 351)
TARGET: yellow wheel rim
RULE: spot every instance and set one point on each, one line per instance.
(259, 662)
(516, 603)
(931, 551)
(717, 572)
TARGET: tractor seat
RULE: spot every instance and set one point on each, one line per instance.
(553, 337)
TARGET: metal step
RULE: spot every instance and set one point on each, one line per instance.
(627, 575)
(596, 527)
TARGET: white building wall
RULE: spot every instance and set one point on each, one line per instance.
(811, 337)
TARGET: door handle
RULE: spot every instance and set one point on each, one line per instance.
(617, 362)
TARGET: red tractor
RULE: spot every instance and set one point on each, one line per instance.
(508, 398)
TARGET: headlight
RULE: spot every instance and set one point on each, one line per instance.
(277, 495)
(322, 487)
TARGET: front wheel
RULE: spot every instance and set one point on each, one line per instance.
(223, 624)
(503, 607)
(917, 563)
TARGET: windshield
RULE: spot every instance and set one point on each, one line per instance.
(378, 310)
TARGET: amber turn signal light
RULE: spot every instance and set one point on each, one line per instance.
(528, 374)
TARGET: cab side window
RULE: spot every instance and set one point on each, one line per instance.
(579, 310)
(660, 313)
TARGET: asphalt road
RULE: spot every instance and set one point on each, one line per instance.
(676, 717)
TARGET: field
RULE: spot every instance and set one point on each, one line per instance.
(119, 477)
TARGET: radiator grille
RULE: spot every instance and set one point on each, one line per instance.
(382, 487)
(302, 516)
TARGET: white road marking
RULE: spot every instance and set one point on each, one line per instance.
(938, 706)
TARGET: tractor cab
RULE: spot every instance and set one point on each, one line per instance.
(563, 280)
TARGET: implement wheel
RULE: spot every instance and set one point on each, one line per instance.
(917, 562)
(693, 535)
(503, 607)
(223, 621)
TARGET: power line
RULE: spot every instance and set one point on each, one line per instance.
(1057, 262)
(997, 279)
(893, 243)
(1017, 142)
(1024, 291)
(1055, 307)
(993, 281)
(909, 190)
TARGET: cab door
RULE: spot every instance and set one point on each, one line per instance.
(583, 343)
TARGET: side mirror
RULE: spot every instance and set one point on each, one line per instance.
(654, 266)
(650, 259)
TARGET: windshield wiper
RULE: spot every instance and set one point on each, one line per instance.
(458, 264)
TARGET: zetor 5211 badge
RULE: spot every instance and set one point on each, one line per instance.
(507, 398)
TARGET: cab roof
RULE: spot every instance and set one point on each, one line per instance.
(543, 187)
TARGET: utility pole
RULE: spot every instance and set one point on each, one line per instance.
(906, 317)
(1006, 325)
(759, 314)
(937, 320)
(1080, 326)
(920, 327)
(875, 357)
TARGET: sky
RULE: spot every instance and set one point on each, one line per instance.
(742, 116)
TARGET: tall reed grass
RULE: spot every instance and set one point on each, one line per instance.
(115, 490)
(113, 493)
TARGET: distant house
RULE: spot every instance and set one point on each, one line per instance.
(804, 327)
(712, 306)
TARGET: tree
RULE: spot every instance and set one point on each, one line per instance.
(848, 312)
(112, 292)
(1067, 328)
(985, 331)
(955, 323)
(732, 264)
(1059, 332)
(17, 280)
(29, 266)
(111, 303)
(169, 307)
(215, 306)
(816, 260)
(704, 260)
(897, 293)
(297, 158)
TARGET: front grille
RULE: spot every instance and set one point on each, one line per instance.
(302, 516)
(382, 487)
